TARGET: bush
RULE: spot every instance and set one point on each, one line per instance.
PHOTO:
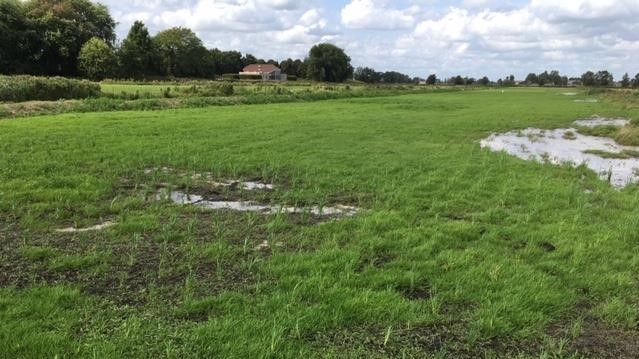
(32, 88)
(250, 77)
(209, 90)
(291, 78)
(628, 136)
(231, 77)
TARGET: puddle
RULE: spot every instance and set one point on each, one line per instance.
(599, 121)
(566, 146)
(98, 227)
(208, 178)
(569, 94)
(589, 100)
(182, 198)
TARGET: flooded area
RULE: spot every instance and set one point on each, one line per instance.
(209, 178)
(567, 146)
(183, 198)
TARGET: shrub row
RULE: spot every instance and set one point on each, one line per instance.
(231, 77)
(250, 77)
(209, 90)
(112, 104)
(32, 88)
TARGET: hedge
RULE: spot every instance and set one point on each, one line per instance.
(231, 77)
(250, 77)
(31, 88)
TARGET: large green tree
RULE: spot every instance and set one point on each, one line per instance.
(327, 62)
(96, 60)
(181, 53)
(18, 40)
(64, 26)
(137, 54)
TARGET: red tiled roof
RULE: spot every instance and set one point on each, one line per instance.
(261, 68)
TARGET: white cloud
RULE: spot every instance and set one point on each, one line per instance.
(375, 14)
(476, 37)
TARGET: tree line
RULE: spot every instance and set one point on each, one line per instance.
(370, 76)
(77, 38)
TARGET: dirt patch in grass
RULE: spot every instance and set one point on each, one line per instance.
(374, 259)
(597, 340)
(417, 291)
(589, 337)
(124, 271)
(445, 340)
(547, 246)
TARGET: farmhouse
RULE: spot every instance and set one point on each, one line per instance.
(266, 71)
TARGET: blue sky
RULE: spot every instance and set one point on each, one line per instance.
(418, 37)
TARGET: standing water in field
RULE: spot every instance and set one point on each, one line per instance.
(567, 146)
(182, 198)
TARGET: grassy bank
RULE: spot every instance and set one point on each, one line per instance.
(458, 252)
(131, 97)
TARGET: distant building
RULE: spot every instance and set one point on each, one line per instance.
(266, 71)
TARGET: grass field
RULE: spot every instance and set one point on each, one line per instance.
(458, 253)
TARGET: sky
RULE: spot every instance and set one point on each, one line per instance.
(417, 37)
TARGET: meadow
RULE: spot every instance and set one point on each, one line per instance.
(458, 252)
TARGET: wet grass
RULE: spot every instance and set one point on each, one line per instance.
(460, 252)
(627, 135)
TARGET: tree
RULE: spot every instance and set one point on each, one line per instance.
(431, 79)
(249, 59)
(327, 62)
(292, 67)
(182, 53)
(457, 80)
(532, 78)
(64, 26)
(635, 82)
(588, 78)
(18, 40)
(625, 81)
(555, 78)
(97, 59)
(367, 75)
(604, 78)
(509, 81)
(484, 81)
(394, 77)
(137, 54)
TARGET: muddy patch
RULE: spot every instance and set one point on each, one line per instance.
(416, 291)
(600, 341)
(131, 272)
(182, 198)
(212, 180)
(445, 340)
(567, 146)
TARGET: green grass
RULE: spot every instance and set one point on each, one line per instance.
(460, 252)
(627, 135)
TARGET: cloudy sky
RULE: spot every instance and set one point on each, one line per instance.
(418, 37)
